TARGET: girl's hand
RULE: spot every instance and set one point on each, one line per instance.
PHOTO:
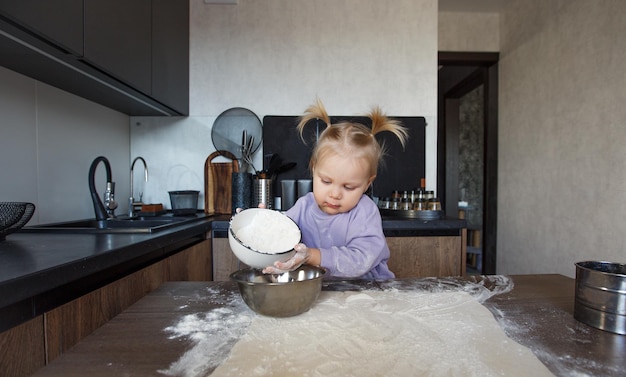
(302, 255)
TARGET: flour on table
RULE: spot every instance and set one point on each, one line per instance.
(213, 333)
(375, 333)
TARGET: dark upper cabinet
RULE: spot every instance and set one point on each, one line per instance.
(170, 53)
(131, 56)
(59, 21)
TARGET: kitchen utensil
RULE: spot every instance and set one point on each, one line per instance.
(229, 127)
(262, 192)
(259, 237)
(600, 295)
(218, 183)
(184, 202)
(241, 191)
(13, 216)
(246, 152)
(283, 295)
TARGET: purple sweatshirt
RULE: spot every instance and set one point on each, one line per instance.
(352, 244)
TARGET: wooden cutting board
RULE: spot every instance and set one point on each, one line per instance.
(218, 183)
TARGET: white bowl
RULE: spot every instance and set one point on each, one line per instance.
(259, 237)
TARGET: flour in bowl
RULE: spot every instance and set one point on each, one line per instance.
(270, 232)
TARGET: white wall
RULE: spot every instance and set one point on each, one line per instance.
(562, 185)
(48, 139)
(275, 56)
(475, 32)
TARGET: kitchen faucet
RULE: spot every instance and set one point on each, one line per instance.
(131, 200)
(106, 210)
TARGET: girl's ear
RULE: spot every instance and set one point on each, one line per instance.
(369, 183)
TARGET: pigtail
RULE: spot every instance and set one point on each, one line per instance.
(381, 123)
(316, 111)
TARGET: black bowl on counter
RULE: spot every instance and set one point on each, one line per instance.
(13, 216)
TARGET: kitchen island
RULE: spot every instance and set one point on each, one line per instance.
(534, 310)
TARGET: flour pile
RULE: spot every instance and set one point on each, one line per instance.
(270, 232)
(374, 333)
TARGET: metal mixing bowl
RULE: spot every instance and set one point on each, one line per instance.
(280, 295)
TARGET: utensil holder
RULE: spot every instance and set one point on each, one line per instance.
(241, 191)
(262, 192)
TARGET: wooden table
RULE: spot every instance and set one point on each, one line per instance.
(537, 312)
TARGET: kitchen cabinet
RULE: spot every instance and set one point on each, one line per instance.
(192, 264)
(411, 257)
(29, 346)
(130, 56)
(427, 256)
(59, 21)
(170, 53)
(118, 40)
(22, 349)
(224, 261)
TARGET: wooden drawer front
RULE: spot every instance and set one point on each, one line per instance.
(413, 257)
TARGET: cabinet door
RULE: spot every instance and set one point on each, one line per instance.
(192, 264)
(170, 53)
(71, 322)
(58, 21)
(224, 261)
(414, 257)
(22, 349)
(118, 40)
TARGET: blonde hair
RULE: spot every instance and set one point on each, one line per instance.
(351, 138)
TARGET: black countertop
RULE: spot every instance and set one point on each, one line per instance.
(37, 268)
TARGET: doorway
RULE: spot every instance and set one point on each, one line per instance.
(467, 149)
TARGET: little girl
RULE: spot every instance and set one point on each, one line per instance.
(341, 226)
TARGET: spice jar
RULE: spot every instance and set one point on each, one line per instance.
(429, 195)
(395, 194)
(395, 203)
(434, 204)
(420, 205)
(384, 203)
(405, 204)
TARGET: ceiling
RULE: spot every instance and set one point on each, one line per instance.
(483, 6)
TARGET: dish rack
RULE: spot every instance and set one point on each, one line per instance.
(13, 216)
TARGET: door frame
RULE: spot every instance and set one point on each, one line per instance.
(478, 68)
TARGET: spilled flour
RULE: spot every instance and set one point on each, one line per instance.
(432, 330)
(213, 334)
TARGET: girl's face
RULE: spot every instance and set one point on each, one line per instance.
(339, 182)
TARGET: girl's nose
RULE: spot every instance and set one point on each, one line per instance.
(335, 193)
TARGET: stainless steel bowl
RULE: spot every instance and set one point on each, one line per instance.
(600, 296)
(280, 295)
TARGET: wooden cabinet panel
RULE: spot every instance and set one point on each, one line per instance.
(22, 349)
(426, 256)
(224, 261)
(69, 323)
(192, 264)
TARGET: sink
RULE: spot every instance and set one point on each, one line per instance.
(116, 225)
